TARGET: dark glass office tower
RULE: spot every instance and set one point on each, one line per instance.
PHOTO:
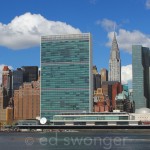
(30, 73)
(17, 77)
(96, 78)
(66, 74)
(141, 76)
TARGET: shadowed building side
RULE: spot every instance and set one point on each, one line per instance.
(141, 76)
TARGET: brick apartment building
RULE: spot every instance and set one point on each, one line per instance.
(27, 101)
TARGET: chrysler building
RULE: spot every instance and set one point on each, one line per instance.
(115, 62)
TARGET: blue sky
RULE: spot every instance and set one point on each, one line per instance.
(22, 22)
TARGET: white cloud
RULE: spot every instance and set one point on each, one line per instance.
(125, 38)
(128, 38)
(126, 74)
(107, 24)
(1, 68)
(25, 31)
(147, 4)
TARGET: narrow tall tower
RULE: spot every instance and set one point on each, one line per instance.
(115, 62)
(7, 80)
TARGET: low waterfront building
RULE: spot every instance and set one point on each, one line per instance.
(142, 114)
(28, 122)
(109, 118)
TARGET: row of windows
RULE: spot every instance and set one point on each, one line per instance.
(95, 123)
(65, 64)
(91, 118)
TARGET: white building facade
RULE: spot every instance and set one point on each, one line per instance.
(115, 62)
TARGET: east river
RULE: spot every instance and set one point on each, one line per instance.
(76, 140)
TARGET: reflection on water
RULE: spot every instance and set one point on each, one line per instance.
(82, 140)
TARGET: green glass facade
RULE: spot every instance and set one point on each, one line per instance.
(104, 117)
(141, 76)
(66, 65)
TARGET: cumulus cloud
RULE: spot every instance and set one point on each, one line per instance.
(25, 31)
(126, 74)
(128, 38)
(107, 24)
(1, 68)
(125, 38)
(147, 4)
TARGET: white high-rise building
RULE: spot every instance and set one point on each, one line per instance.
(115, 62)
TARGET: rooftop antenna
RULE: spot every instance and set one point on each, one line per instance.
(114, 28)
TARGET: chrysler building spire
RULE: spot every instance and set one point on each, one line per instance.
(115, 62)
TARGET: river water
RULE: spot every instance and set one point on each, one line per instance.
(77, 140)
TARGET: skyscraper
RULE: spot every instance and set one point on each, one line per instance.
(104, 75)
(96, 78)
(115, 62)
(30, 73)
(17, 77)
(66, 74)
(7, 80)
(141, 76)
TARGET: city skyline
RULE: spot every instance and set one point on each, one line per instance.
(23, 24)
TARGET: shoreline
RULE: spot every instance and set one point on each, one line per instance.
(144, 131)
